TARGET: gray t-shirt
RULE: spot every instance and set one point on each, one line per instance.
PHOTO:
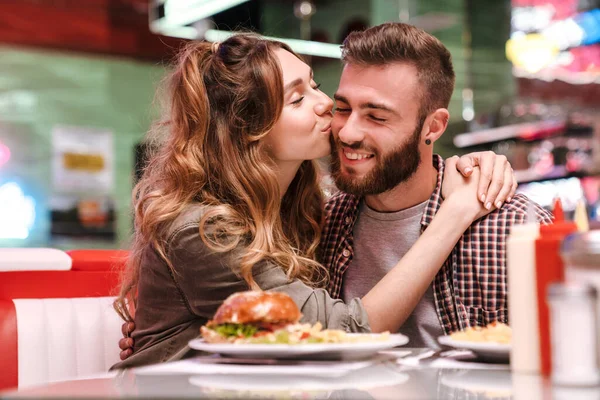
(380, 241)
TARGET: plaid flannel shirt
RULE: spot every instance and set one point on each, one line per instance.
(470, 288)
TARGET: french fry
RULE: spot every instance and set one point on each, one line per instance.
(495, 332)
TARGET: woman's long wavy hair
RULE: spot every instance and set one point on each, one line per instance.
(221, 102)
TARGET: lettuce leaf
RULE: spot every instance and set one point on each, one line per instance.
(236, 330)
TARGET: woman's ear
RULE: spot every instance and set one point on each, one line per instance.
(436, 124)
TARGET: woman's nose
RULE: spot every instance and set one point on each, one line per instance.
(324, 106)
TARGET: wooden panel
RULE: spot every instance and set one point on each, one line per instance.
(116, 27)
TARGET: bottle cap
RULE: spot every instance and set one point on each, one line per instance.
(581, 217)
(557, 210)
(560, 226)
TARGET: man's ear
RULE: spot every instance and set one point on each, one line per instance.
(436, 124)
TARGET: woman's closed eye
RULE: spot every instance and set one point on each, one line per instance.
(299, 100)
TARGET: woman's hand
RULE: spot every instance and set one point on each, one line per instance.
(461, 190)
(126, 343)
(496, 183)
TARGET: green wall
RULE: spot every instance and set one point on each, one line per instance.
(40, 89)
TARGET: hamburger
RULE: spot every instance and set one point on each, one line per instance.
(256, 317)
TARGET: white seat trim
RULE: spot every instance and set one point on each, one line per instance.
(34, 259)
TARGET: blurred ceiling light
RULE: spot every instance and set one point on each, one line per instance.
(183, 32)
(179, 14)
(304, 9)
(531, 52)
(306, 47)
(184, 12)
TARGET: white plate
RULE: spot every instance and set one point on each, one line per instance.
(315, 351)
(489, 351)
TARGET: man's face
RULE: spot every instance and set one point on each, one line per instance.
(376, 128)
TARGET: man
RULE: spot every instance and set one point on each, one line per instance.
(391, 106)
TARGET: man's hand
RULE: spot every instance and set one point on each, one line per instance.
(126, 343)
(497, 182)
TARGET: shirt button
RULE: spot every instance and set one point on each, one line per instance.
(347, 220)
(346, 253)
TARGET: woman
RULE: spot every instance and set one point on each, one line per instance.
(231, 200)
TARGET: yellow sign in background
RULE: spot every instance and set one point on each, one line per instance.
(83, 162)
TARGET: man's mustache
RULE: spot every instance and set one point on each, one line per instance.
(355, 146)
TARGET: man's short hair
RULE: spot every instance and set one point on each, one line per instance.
(397, 42)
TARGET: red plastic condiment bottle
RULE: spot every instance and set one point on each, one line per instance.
(549, 269)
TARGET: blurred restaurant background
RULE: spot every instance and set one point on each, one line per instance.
(78, 81)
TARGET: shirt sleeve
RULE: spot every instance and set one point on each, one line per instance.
(206, 278)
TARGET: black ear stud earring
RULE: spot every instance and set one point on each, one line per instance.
(428, 141)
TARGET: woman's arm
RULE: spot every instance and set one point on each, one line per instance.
(391, 301)
(206, 278)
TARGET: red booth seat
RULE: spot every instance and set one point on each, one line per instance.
(58, 325)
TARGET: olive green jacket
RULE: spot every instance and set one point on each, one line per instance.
(174, 303)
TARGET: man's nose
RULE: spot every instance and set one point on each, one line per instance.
(350, 132)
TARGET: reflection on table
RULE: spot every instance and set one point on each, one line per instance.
(385, 378)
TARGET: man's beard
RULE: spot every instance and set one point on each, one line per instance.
(393, 168)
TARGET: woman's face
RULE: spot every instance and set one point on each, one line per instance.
(303, 129)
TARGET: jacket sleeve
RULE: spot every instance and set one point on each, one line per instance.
(206, 278)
